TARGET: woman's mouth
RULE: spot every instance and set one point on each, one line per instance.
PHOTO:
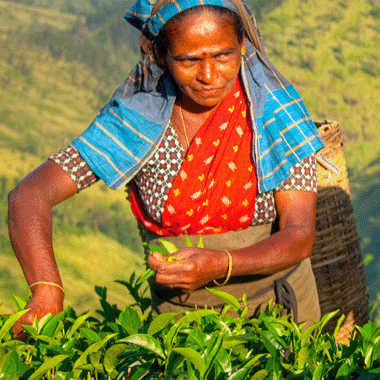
(210, 92)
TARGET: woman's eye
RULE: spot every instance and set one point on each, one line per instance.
(189, 62)
(223, 57)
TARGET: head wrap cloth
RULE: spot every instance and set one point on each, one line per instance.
(125, 134)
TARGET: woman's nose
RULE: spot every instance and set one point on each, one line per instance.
(207, 71)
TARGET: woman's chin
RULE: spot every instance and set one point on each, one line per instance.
(204, 102)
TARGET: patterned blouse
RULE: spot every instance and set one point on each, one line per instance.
(156, 178)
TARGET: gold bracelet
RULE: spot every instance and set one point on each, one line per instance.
(229, 271)
(47, 283)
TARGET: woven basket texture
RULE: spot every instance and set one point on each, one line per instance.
(337, 260)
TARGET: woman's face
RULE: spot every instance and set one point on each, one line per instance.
(203, 57)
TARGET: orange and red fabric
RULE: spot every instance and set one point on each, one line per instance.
(216, 187)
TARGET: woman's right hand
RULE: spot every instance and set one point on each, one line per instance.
(46, 299)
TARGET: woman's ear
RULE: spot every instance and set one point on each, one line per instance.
(243, 46)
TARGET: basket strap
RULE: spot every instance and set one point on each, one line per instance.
(327, 164)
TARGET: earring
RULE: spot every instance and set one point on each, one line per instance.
(243, 51)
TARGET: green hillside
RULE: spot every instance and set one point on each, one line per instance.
(48, 98)
(330, 51)
(60, 60)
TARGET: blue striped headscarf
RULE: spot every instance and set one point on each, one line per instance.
(128, 130)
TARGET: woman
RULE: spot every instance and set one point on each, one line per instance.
(213, 141)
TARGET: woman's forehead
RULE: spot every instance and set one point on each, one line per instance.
(200, 21)
(140, 13)
(201, 34)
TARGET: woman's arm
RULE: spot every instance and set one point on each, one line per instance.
(289, 246)
(30, 230)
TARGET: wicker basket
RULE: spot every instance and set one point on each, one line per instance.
(337, 260)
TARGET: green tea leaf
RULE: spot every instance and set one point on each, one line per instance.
(69, 344)
(170, 259)
(52, 325)
(371, 328)
(169, 246)
(32, 331)
(145, 341)
(368, 356)
(20, 303)
(226, 297)
(10, 322)
(231, 342)
(273, 343)
(82, 360)
(160, 322)
(194, 357)
(3, 351)
(188, 242)
(47, 339)
(339, 323)
(254, 360)
(129, 319)
(223, 360)
(260, 375)
(76, 325)
(295, 328)
(344, 371)
(95, 358)
(303, 353)
(273, 364)
(155, 248)
(145, 276)
(212, 350)
(141, 371)
(287, 324)
(86, 367)
(306, 334)
(6, 362)
(195, 315)
(170, 337)
(47, 366)
(111, 354)
(90, 335)
(326, 318)
(240, 374)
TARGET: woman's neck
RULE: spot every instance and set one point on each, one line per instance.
(187, 124)
(197, 111)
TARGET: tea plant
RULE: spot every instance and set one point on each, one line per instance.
(133, 344)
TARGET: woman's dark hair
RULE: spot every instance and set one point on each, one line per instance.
(161, 42)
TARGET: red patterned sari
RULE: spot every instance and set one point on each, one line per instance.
(216, 187)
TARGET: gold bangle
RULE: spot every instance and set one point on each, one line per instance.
(228, 273)
(47, 283)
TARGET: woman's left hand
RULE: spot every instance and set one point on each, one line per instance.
(191, 269)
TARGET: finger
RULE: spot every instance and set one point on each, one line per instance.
(167, 279)
(178, 268)
(160, 262)
(158, 256)
(185, 253)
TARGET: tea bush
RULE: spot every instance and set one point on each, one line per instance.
(132, 344)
